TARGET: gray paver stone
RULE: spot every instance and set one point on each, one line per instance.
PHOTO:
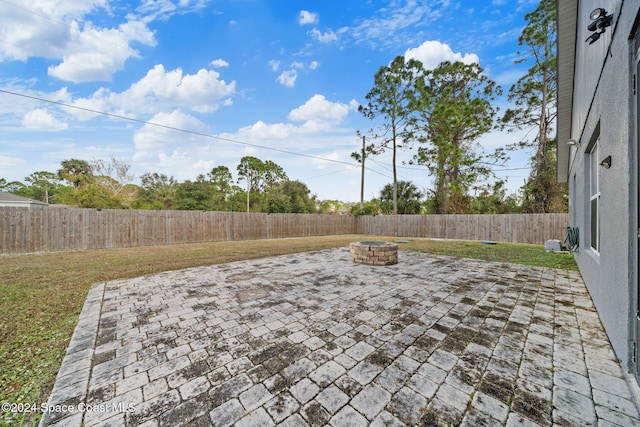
(423, 385)
(230, 389)
(616, 417)
(332, 399)
(281, 406)
(385, 419)
(227, 414)
(294, 420)
(257, 418)
(576, 404)
(304, 390)
(299, 369)
(392, 378)
(194, 387)
(168, 367)
(359, 351)
(406, 405)
(327, 373)
(364, 372)
(315, 414)
(348, 417)
(371, 400)
(572, 381)
(184, 413)
(490, 406)
(254, 397)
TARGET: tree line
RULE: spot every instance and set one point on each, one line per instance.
(442, 113)
(109, 185)
(262, 186)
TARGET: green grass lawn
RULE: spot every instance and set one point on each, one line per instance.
(41, 295)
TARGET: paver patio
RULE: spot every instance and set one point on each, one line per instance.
(314, 339)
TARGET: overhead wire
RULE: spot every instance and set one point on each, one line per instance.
(177, 129)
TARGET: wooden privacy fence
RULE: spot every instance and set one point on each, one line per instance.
(517, 228)
(51, 229)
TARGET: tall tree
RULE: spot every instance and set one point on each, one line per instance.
(290, 196)
(221, 178)
(258, 175)
(114, 175)
(42, 184)
(495, 200)
(409, 198)
(535, 98)
(455, 110)
(222, 182)
(157, 191)
(392, 100)
(543, 182)
(195, 195)
(76, 172)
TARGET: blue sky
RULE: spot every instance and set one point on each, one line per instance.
(278, 77)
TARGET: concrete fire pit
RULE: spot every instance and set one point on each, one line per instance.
(374, 253)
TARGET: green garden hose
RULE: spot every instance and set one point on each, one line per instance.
(572, 241)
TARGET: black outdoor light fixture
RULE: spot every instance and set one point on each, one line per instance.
(606, 163)
(599, 23)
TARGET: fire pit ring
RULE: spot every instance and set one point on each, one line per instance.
(374, 253)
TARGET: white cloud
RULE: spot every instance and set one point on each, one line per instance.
(326, 37)
(158, 143)
(336, 156)
(317, 116)
(509, 77)
(219, 63)
(318, 109)
(58, 30)
(62, 30)
(288, 78)
(7, 162)
(297, 64)
(431, 53)
(164, 9)
(160, 90)
(397, 24)
(40, 27)
(261, 131)
(274, 64)
(306, 17)
(95, 54)
(40, 119)
(314, 65)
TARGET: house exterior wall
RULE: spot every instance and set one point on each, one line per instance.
(603, 110)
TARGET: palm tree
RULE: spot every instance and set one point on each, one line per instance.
(77, 172)
(409, 198)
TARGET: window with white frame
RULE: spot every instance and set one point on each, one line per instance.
(594, 197)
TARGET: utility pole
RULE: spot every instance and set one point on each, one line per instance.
(362, 177)
(248, 191)
(360, 157)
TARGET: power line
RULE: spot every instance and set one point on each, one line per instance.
(192, 132)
